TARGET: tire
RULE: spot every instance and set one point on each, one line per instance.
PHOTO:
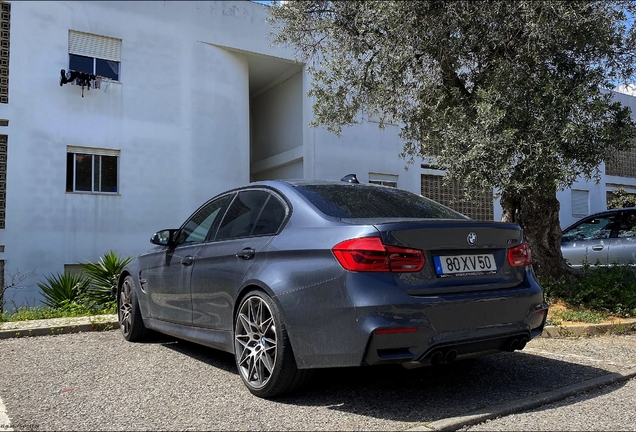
(130, 320)
(263, 354)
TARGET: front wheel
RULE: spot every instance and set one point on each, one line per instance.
(131, 323)
(262, 350)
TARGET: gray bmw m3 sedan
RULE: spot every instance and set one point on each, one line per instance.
(291, 276)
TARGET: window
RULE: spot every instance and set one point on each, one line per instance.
(452, 194)
(93, 54)
(383, 179)
(5, 36)
(627, 227)
(363, 201)
(92, 170)
(73, 269)
(580, 202)
(197, 228)
(249, 215)
(591, 229)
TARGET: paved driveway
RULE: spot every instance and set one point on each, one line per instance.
(97, 381)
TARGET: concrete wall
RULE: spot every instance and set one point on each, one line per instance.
(179, 117)
(204, 103)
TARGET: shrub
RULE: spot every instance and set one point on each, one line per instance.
(606, 289)
(66, 310)
(103, 277)
(62, 288)
(620, 198)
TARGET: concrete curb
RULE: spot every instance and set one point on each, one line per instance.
(525, 404)
(622, 326)
(58, 326)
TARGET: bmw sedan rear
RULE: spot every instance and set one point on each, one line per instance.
(292, 276)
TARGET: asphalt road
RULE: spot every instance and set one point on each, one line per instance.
(610, 408)
(97, 381)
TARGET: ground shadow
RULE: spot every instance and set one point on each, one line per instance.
(419, 395)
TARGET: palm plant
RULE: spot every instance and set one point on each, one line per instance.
(103, 277)
(62, 288)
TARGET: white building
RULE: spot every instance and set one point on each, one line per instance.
(197, 102)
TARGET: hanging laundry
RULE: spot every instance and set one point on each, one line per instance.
(67, 77)
(84, 81)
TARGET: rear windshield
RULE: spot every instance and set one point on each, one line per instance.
(362, 201)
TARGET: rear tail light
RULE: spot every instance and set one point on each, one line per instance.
(519, 255)
(368, 254)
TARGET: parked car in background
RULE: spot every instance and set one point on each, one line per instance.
(292, 276)
(601, 239)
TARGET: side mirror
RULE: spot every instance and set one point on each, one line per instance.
(163, 237)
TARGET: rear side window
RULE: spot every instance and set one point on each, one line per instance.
(252, 213)
(369, 202)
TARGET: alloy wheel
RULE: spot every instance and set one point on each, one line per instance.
(255, 342)
(125, 306)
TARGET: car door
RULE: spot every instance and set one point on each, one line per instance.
(251, 221)
(623, 244)
(168, 279)
(588, 241)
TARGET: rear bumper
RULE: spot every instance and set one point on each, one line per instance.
(333, 324)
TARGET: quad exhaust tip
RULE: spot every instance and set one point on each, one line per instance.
(440, 356)
(515, 344)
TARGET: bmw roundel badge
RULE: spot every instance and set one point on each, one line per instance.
(472, 239)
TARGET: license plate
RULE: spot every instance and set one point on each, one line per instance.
(465, 265)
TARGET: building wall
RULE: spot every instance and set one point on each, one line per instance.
(179, 117)
(204, 104)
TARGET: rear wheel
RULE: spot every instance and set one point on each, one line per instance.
(131, 323)
(262, 350)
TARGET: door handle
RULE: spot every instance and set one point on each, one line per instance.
(597, 248)
(246, 254)
(187, 260)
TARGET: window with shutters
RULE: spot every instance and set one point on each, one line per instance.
(580, 202)
(91, 170)
(94, 54)
(383, 179)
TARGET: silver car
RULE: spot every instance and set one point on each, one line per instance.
(601, 239)
(291, 276)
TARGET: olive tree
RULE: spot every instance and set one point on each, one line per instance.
(505, 95)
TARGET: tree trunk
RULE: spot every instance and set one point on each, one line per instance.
(539, 217)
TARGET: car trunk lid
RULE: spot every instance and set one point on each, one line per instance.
(460, 255)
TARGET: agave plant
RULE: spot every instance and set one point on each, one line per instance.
(62, 288)
(103, 276)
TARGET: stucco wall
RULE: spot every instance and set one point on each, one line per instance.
(179, 117)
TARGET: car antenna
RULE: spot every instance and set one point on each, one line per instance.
(350, 178)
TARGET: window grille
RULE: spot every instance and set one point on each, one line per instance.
(5, 28)
(480, 207)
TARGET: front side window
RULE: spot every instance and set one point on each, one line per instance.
(592, 229)
(93, 173)
(197, 228)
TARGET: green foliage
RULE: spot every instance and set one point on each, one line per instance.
(103, 277)
(504, 94)
(66, 310)
(603, 289)
(580, 315)
(510, 95)
(62, 288)
(621, 199)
